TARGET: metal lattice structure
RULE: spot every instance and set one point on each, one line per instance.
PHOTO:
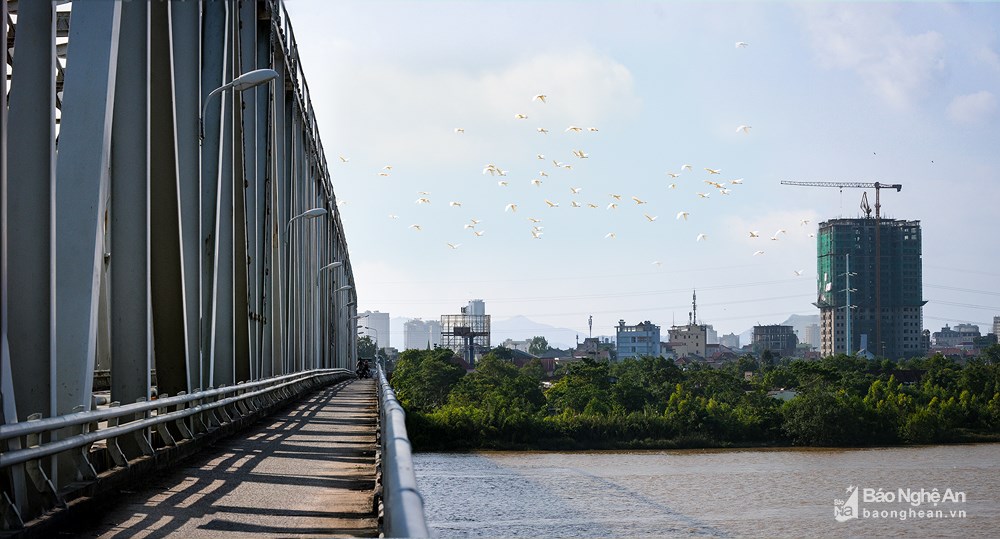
(134, 247)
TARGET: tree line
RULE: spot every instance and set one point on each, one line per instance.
(650, 402)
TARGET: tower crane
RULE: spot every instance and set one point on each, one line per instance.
(878, 250)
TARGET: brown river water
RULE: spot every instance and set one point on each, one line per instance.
(715, 493)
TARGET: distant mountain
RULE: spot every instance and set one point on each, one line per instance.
(522, 328)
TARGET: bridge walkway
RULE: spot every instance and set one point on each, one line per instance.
(307, 471)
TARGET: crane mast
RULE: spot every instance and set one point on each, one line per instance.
(877, 186)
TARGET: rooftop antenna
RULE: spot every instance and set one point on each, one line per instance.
(590, 326)
(694, 306)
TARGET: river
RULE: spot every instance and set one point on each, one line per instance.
(714, 493)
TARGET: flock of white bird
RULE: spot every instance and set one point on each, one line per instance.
(503, 178)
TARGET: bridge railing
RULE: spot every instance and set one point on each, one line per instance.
(403, 505)
(181, 417)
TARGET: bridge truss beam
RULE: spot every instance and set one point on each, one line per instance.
(135, 247)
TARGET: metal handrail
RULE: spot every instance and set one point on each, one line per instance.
(245, 391)
(402, 502)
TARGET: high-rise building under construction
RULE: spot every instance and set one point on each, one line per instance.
(862, 271)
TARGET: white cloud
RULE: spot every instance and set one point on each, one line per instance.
(972, 108)
(895, 65)
(405, 113)
(989, 57)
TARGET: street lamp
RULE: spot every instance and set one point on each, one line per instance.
(329, 266)
(245, 81)
(308, 214)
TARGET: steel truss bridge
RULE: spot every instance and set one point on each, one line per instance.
(169, 231)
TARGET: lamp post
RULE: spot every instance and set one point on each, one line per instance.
(311, 213)
(245, 81)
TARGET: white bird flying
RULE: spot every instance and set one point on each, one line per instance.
(649, 217)
(455, 204)
(539, 156)
(754, 234)
(737, 181)
(610, 235)
(453, 245)
(491, 169)
(724, 191)
(534, 220)
(344, 159)
(468, 226)
(685, 167)
(812, 235)
(592, 129)
(573, 128)
(391, 216)
(423, 200)
(478, 233)
(673, 174)
(539, 97)
(804, 222)
(543, 174)
(744, 128)
(387, 167)
(657, 263)
(552, 204)
(574, 204)
(798, 273)
(502, 183)
(701, 237)
(542, 130)
(475, 221)
(575, 190)
(460, 130)
(536, 234)
(638, 200)
(780, 231)
(612, 206)
(511, 207)
(536, 182)
(683, 214)
(741, 44)
(672, 186)
(758, 253)
(580, 154)
(520, 116)
(383, 173)
(713, 170)
(423, 192)
(591, 205)
(703, 195)
(774, 238)
(614, 196)
(415, 227)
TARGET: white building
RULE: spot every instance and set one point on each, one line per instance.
(377, 321)
(417, 335)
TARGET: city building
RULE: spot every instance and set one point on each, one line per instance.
(811, 336)
(595, 348)
(375, 325)
(996, 325)
(731, 341)
(434, 330)
(852, 287)
(516, 345)
(642, 339)
(960, 335)
(468, 333)
(417, 335)
(692, 339)
(780, 340)
(711, 336)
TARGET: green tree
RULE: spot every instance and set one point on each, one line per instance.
(538, 346)
(424, 378)
(366, 348)
(584, 381)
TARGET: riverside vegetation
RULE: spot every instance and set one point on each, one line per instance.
(651, 403)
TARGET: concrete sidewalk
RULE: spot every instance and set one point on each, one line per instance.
(309, 471)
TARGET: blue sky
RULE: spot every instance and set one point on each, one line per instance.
(891, 92)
